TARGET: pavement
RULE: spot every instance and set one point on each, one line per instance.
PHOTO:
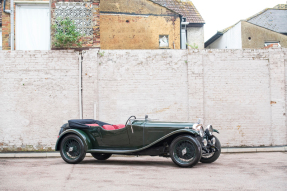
(232, 171)
(223, 150)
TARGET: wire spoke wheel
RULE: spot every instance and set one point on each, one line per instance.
(185, 151)
(101, 156)
(72, 149)
(213, 156)
(207, 155)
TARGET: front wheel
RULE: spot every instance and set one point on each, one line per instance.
(211, 157)
(101, 156)
(185, 151)
(72, 149)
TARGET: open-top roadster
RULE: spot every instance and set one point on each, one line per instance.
(185, 143)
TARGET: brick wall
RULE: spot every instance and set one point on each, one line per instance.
(39, 92)
(242, 93)
(5, 26)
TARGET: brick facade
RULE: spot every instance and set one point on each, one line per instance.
(137, 25)
(87, 42)
(6, 26)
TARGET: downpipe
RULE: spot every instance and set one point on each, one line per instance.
(80, 85)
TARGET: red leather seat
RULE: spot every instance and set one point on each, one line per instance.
(92, 125)
(120, 126)
(108, 127)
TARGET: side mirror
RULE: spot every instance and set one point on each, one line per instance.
(146, 117)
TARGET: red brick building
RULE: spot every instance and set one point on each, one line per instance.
(126, 24)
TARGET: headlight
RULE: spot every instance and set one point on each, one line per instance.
(205, 142)
(210, 129)
(200, 130)
(194, 127)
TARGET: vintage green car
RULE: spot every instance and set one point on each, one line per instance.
(186, 143)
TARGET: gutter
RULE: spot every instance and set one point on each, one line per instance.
(11, 12)
(4, 8)
(180, 17)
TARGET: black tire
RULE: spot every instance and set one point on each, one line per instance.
(72, 149)
(190, 146)
(101, 156)
(215, 156)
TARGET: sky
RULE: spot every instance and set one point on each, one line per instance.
(220, 14)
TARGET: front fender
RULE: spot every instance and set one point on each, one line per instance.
(80, 133)
(216, 131)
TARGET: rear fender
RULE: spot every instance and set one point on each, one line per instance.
(79, 133)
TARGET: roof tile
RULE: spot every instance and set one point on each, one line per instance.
(184, 8)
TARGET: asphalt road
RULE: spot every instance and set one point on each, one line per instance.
(245, 171)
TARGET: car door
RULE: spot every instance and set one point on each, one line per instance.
(114, 138)
(136, 132)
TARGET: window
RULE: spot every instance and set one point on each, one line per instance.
(272, 44)
(80, 13)
(163, 41)
(32, 27)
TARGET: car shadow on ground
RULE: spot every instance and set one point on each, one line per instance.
(128, 162)
(114, 161)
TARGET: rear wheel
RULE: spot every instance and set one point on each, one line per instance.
(72, 149)
(185, 151)
(101, 156)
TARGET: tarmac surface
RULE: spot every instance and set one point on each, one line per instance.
(240, 171)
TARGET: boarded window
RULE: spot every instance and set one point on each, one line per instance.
(80, 13)
(163, 41)
(32, 27)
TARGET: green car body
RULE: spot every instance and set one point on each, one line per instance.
(144, 135)
(138, 137)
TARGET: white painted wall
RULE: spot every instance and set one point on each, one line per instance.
(241, 92)
(39, 92)
(229, 40)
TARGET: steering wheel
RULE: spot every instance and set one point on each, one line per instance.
(129, 119)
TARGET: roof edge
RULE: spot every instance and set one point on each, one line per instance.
(165, 7)
(213, 38)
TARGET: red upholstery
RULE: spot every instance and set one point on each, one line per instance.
(120, 126)
(108, 127)
(92, 125)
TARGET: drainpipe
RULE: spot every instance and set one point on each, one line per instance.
(11, 12)
(80, 85)
(12, 23)
(180, 17)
